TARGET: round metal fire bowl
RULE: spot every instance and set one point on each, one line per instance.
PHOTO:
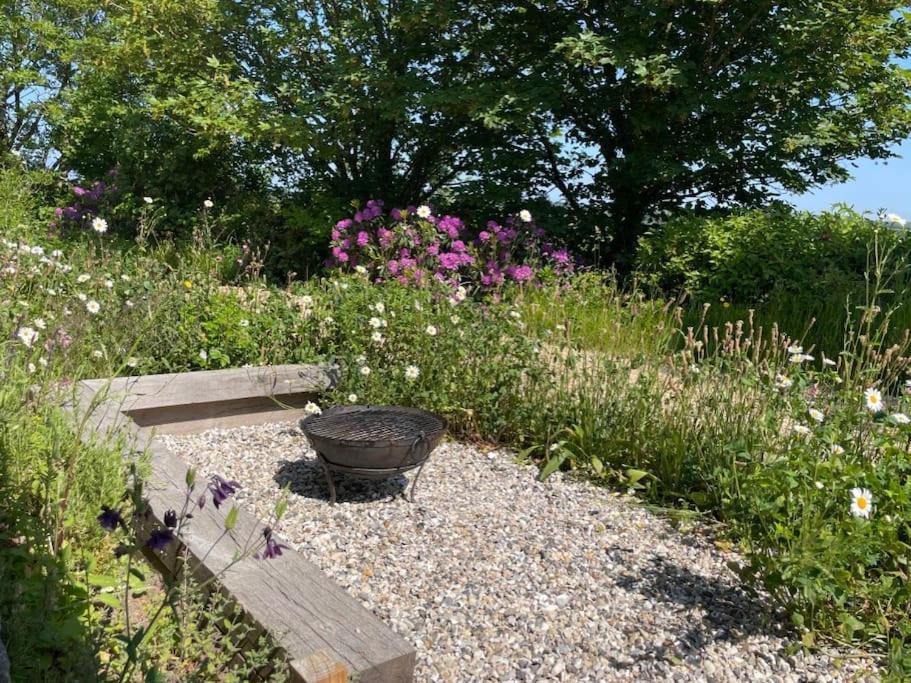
(381, 439)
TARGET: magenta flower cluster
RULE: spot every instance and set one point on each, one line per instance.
(85, 204)
(415, 246)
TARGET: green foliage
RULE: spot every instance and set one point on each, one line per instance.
(748, 256)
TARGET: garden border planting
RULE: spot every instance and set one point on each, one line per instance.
(326, 634)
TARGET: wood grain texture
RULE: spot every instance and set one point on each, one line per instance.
(304, 610)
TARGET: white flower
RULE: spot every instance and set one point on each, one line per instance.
(365, 371)
(43, 362)
(109, 284)
(376, 323)
(861, 502)
(92, 306)
(85, 277)
(895, 219)
(81, 297)
(132, 361)
(312, 409)
(908, 386)
(377, 337)
(837, 450)
(423, 211)
(360, 360)
(128, 303)
(27, 336)
(800, 429)
(208, 204)
(203, 354)
(379, 307)
(800, 357)
(873, 400)
(412, 372)
(900, 418)
(31, 367)
(99, 225)
(360, 270)
(352, 398)
(515, 314)
(148, 200)
(783, 381)
(97, 353)
(819, 485)
(525, 215)
(57, 254)
(431, 330)
(343, 285)
(454, 319)
(39, 323)
(37, 251)
(828, 361)
(817, 415)
(461, 293)
(794, 349)
(418, 306)
(306, 300)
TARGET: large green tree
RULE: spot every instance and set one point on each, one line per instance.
(650, 104)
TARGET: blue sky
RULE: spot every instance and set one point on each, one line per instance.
(876, 185)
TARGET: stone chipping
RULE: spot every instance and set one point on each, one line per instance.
(495, 576)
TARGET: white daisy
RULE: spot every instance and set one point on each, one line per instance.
(39, 323)
(431, 330)
(377, 337)
(27, 335)
(376, 323)
(900, 418)
(819, 485)
(783, 382)
(379, 307)
(312, 409)
(423, 211)
(817, 415)
(360, 360)
(828, 361)
(525, 215)
(861, 502)
(365, 371)
(360, 270)
(794, 349)
(837, 450)
(92, 306)
(800, 429)
(412, 372)
(99, 225)
(873, 400)
(85, 277)
(208, 203)
(352, 398)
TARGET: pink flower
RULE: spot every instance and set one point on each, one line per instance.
(363, 238)
(343, 224)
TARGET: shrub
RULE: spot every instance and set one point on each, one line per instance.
(746, 256)
(413, 246)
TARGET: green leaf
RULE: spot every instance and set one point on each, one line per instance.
(231, 519)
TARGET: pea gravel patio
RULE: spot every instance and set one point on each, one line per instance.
(497, 577)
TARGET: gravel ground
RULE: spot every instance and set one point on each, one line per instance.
(497, 577)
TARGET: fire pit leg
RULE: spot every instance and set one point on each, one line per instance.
(415, 483)
(328, 478)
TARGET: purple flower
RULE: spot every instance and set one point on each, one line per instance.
(520, 273)
(343, 224)
(363, 238)
(392, 267)
(342, 257)
(58, 212)
(159, 539)
(170, 519)
(109, 519)
(79, 191)
(396, 214)
(222, 489)
(273, 548)
(433, 249)
(449, 261)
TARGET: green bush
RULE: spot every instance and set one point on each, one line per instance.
(748, 255)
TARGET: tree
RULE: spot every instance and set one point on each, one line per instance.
(653, 104)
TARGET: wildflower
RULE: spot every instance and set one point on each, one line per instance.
(376, 323)
(828, 361)
(900, 418)
(412, 372)
(783, 381)
(515, 314)
(360, 270)
(817, 414)
(873, 400)
(352, 398)
(82, 297)
(203, 354)
(800, 429)
(365, 371)
(148, 200)
(423, 211)
(159, 539)
(31, 368)
(377, 337)
(795, 350)
(85, 277)
(800, 357)
(27, 336)
(208, 203)
(895, 219)
(454, 319)
(132, 361)
(837, 450)
(273, 548)
(525, 215)
(100, 225)
(244, 323)
(361, 359)
(39, 323)
(431, 330)
(312, 409)
(170, 519)
(222, 489)
(861, 502)
(128, 303)
(187, 284)
(109, 284)
(97, 353)
(109, 519)
(92, 306)
(379, 307)
(819, 485)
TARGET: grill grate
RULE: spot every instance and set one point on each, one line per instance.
(369, 425)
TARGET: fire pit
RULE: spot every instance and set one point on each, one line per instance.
(373, 442)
